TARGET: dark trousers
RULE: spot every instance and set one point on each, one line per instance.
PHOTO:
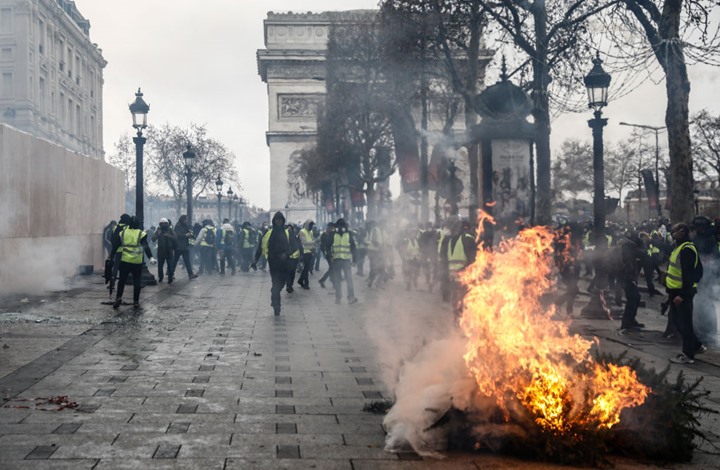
(377, 267)
(125, 270)
(307, 265)
(161, 267)
(292, 269)
(246, 258)
(342, 269)
(361, 254)
(186, 259)
(317, 258)
(278, 275)
(570, 279)
(227, 255)
(682, 315)
(328, 274)
(207, 259)
(632, 302)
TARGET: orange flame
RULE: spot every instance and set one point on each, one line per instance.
(517, 352)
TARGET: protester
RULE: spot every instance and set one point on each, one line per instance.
(342, 251)
(275, 248)
(165, 238)
(183, 238)
(133, 242)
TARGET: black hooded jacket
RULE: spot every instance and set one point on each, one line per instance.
(278, 245)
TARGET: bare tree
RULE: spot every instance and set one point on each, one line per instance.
(706, 144)
(572, 170)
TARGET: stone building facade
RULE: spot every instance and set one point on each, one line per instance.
(51, 74)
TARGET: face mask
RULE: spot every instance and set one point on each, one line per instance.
(446, 231)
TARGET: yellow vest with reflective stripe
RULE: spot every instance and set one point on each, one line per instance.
(266, 240)
(341, 246)
(457, 259)
(674, 272)
(413, 249)
(122, 227)
(132, 250)
(307, 240)
(652, 249)
(247, 243)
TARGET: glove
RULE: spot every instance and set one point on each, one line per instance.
(254, 267)
(153, 261)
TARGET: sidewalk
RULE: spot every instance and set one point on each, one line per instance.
(206, 377)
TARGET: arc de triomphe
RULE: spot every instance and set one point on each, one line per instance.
(293, 66)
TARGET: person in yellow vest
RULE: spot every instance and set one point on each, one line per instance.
(275, 248)
(456, 252)
(207, 239)
(375, 248)
(409, 250)
(296, 253)
(133, 242)
(683, 274)
(307, 239)
(342, 252)
(116, 250)
(247, 243)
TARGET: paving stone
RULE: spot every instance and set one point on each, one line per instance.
(178, 428)
(288, 452)
(166, 451)
(286, 428)
(284, 393)
(283, 380)
(372, 394)
(364, 381)
(187, 409)
(358, 369)
(195, 393)
(104, 392)
(206, 368)
(67, 428)
(285, 409)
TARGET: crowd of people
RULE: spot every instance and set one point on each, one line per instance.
(682, 259)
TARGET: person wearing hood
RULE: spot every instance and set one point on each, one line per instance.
(227, 245)
(208, 239)
(342, 251)
(183, 238)
(307, 239)
(296, 253)
(107, 236)
(275, 247)
(165, 238)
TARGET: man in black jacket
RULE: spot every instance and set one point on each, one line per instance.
(681, 283)
(183, 237)
(164, 236)
(633, 256)
(275, 247)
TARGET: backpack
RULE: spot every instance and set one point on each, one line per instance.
(209, 236)
(228, 238)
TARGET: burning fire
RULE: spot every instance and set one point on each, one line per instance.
(519, 355)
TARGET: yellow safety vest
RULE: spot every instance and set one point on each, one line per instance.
(122, 227)
(375, 239)
(247, 243)
(413, 249)
(341, 246)
(133, 251)
(673, 279)
(440, 241)
(207, 229)
(307, 240)
(652, 249)
(457, 259)
(266, 240)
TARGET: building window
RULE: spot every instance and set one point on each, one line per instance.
(61, 114)
(6, 53)
(8, 88)
(78, 121)
(41, 95)
(6, 20)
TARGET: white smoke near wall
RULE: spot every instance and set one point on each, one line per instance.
(38, 265)
(706, 303)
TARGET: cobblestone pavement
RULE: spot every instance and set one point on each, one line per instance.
(205, 377)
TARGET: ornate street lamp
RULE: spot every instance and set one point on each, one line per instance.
(597, 83)
(230, 201)
(189, 157)
(218, 186)
(139, 110)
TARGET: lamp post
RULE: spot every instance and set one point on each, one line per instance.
(230, 201)
(597, 83)
(241, 204)
(218, 186)
(657, 130)
(189, 157)
(139, 110)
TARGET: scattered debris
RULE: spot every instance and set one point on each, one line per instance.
(379, 407)
(256, 354)
(60, 402)
(25, 301)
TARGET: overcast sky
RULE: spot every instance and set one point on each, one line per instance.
(195, 62)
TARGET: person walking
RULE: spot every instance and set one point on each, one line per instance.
(343, 255)
(116, 251)
(183, 239)
(275, 248)
(375, 246)
(227, 247)
(164, 235)
(457, 251)
(295, 256)
(133, 242)
(207, 238)
(107, 236)
(409, 249)
(683, 274)
(246, 245)
(324, 248)
(633, 256)
(307, 239)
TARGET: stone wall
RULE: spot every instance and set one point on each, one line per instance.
(54, 204)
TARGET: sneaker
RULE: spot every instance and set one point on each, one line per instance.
(170, 280)
(193, 276)
(353, 300)
(117, 303)
(322, 283)
(306, 287)
(702, 349)
(136, 306)
(289, 290)
(277, 311)
(682, 359)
